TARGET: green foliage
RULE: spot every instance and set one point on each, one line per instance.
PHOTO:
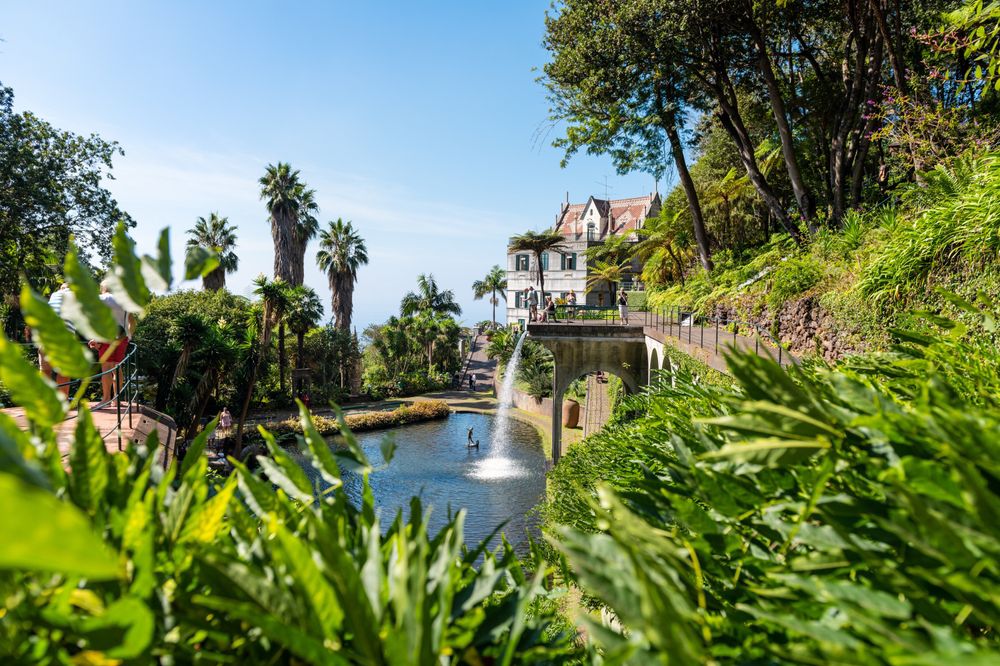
(825, 516)
(534, 371)
(962, 229)
(792, 278)
(51, 191)
(160, 347)
(395, 351)
(502, 345)
(121, 561)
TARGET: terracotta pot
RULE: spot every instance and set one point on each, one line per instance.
(570, 413)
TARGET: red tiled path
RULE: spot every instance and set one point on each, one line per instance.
(106, 421)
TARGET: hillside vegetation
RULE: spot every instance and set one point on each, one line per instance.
(855, 284)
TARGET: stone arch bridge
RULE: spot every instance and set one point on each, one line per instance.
(633, 352)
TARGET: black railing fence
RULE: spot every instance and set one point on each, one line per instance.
(128, 391)
(685, 325)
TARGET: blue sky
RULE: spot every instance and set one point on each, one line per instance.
(416, 121)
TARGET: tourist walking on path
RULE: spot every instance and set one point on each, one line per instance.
(225, 421)
(533, 303)
(472, 381)
(623, 306)
(570, 305)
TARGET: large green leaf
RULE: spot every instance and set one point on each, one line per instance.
(199, 262)
(156, 271)
(41, 533)
(352, 458)
(62, 348)
(283, 471)
(83, 305)
(42, 403)
(319, 450)
(123, 631)
(313, 585)
(14, 444)
(311, 648)
(125, 279)
(770, 450)
(88, 460)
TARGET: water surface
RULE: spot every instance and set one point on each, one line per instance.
(501, 481)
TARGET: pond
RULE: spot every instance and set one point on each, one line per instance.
(495, 483)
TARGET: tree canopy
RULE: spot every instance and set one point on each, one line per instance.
(51, 189)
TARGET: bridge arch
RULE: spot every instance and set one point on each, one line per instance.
(620, 352)
(654, 362)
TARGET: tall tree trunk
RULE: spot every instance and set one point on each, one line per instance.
(732, 121)
(215, 280)
(541, 282)
(866, 50)
(668, 119)
(192, 429)
(802, 194)
(281, 356)
(283, 231)
(245, 409)
(677, 263)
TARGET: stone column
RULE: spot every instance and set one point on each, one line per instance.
(556, 428)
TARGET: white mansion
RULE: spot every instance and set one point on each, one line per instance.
(584, 225)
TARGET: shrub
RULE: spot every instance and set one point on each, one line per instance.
(423, 410)
(832, 515)
(793, 277)
(962, 228)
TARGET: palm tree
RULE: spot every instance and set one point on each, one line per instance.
(273, 294)
(306, 228)
(604, 272)
(495, 280)
(615, 249)
(189, 330)
(429, 297)
(341, 252)
(665, 235)
(538, 244)
(303, 313)
(216, 234)
(283, 191)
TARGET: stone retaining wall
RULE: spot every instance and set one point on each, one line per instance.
(524, 401)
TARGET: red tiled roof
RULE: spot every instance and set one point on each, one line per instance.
(626, 215)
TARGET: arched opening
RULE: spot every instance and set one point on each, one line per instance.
(654, 365)
(626, 359)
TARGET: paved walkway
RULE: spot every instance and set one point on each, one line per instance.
(598, 409)
(105, 420)
(477, 363)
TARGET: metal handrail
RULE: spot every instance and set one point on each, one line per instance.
(666, 319)
(129, 388)
(668, 315)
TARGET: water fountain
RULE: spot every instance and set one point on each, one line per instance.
(503, 483)
(497, 463)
